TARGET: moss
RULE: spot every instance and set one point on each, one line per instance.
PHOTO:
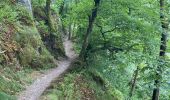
(31, 51)
(39, 13)
(7, 12)
(27, 55)
(111, 92)
(117, 95)
(52, 40)
(44, 60)
(43, 29)
(24, 16)
(36, 59)
(80, 86)
(28, 35)
(55, 45)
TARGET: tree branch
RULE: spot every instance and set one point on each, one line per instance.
(112, 48)
(103, 32)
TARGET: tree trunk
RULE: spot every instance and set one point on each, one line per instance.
(61, 9)
(155, 94)
(164, 25)
(134, 82)
(70, 32)
(62, 12)
(89, 29)
(48, 13)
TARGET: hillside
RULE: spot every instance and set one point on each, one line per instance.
(84, 50)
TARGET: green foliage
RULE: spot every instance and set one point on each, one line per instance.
(126, 35)
(17, 25)
(39, 13)
(42, 28)
(117, 95)
(38, 2)
(13, 81)
(64, 90)
(76, 86)
(28, 35)
(7, 13)
(33, 53)
(52, 40)
(4, 96)
(30, 57)
(27, 55)
(24, 17)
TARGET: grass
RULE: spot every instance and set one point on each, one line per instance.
(78, 86)
(13, 81)
(24, 43)
(4, 96)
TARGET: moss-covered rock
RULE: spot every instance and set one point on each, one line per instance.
(52, 40)
(39, 13)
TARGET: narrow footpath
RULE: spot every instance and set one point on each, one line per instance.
(34, 91)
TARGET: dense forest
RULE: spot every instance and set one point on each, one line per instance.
(84, 50)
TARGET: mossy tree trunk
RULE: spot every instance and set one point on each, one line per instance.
(92, 18)
(48, 13)
(164, 25)
(54, 40)
(62, 12)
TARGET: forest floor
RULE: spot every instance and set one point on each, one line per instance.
(34, 91)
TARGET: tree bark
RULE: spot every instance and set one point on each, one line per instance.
(134, 82)
(92, 18)
(62, 11)
(69, 32)
(48, 13)
(164, 26)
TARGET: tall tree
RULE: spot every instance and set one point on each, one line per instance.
(62, 11)
(48, 13)
(92, 18)
(164, 25)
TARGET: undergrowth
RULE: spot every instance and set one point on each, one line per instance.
(22, 50)
(80, 86)
(13, 81)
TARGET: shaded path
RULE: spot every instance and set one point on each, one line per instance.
(34, 91)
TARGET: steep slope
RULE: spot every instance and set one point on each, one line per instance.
(34, 91)
(22, 49)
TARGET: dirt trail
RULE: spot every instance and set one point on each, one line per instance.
(34, 91)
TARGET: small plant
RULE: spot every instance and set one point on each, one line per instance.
(4, 96)
(7, 12)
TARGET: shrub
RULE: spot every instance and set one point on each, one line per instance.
(4, 96)
(7, 13)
